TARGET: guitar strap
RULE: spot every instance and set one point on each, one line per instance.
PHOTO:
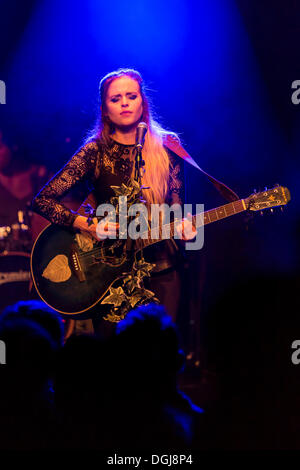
(172, 143)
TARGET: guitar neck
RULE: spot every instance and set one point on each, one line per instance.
(198, 220)
(222, 212)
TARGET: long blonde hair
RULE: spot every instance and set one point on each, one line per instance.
(156, 158)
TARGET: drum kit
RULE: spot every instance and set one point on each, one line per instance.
(16, 242)
(15, 246)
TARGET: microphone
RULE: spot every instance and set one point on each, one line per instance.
(141, 131)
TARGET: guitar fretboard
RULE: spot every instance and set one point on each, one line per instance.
(220, 212)
(198, 220)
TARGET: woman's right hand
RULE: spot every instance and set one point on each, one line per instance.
(98, 230)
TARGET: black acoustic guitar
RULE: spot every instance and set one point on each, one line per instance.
(74, 274)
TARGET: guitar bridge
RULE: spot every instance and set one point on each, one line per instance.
(76, 265)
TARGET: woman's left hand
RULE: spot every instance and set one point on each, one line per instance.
(185, 229)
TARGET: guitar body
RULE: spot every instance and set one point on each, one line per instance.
(70, 280)
(74, 274)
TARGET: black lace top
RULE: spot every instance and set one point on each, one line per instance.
(100, 168)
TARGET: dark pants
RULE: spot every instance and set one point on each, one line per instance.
(167, 288)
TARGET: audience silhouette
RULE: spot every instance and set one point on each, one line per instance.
(32, 335)
(91, 393)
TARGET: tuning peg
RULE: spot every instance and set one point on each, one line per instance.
(261, 213)
(281, 208)
(272, 210)
(266, 188)
(254, 190)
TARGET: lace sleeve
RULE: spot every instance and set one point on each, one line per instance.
(176, 180)
(80, 167)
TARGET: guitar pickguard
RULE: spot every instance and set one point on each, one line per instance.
(58, 270)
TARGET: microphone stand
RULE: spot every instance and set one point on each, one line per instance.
(139, 163)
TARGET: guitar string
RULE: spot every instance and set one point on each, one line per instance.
(145, 236)
(92, 253)
(170, 226)
(148, 240)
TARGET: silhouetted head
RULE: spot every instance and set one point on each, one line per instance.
(148, 346)
(39, 312)
(30, 353)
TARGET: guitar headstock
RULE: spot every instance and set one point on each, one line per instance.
(277, 196)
